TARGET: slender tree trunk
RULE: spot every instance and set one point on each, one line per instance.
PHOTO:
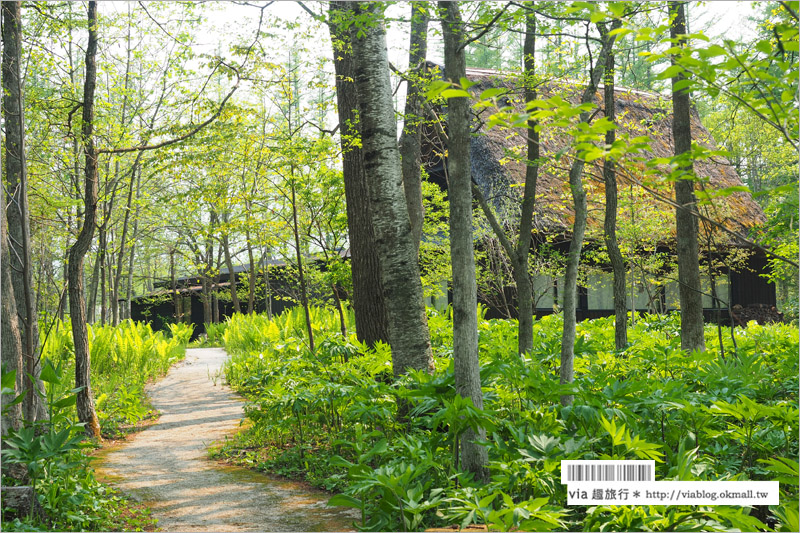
(117, 277)
(85, 402)
(402, 286)
(208, 316)
(17, 212)
(519, 254)
(132, 254)
(411, 139)
(122, 244)
(371, 317)
(10, 339)
(65, 294)
(251, 293)
(691, 302)
(474, 458)
(267, 289)
(300, 271)
(339, 310)
(101, 259)
(610, 221)
(215, 318)
(226, 248)
(567, 372)
(173, 283)
(520, 264)
(94, 283)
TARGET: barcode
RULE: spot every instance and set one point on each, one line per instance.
(588, 471)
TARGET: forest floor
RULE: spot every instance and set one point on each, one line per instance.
(166, 466)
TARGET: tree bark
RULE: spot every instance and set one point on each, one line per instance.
(251, 274)
(77, 253)
(474, 458)
(17, 212)
(402, 286)
(520, 264)
(411, 139)
(691, 302)
(567, 372)
(94, 282)
(226, 248)
(372, 323)
(610, 220)
(132, 255)
(10, 339)
(519, 254)
(102, 239)
(300, 272)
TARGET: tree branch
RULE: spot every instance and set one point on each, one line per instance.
(199, 127)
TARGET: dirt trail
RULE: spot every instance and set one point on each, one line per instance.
(167, 467)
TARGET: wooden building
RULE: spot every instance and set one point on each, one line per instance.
(276, 290)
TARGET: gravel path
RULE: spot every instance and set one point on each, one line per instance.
(166, 465)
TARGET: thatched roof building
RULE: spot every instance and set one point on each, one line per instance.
(498, 168)
(498, 162)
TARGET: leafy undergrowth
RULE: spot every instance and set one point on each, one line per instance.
(212, 338)
(330, 417)
(51, 455)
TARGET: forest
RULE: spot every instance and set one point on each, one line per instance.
(437, 247)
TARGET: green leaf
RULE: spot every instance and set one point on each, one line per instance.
(436, 88)
(455, 93)
(670, 72)
(597, 16)
(49, 374)
(682, 84)
(713, 51)
(491, 93)
(764, 46)
(343, 500)
(9, 380)
(65, 402)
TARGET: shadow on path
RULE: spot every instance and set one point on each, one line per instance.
(166, 465)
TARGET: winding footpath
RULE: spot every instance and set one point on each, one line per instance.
(166, 466)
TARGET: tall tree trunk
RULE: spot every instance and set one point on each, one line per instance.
(122, 244)
(173, 283)
(208, 316)
(117, 277)
(10, 339)
(691, 302)
(226, 248)
(371, 317)
(132, 255)
(17, 212)
(402, 287)
(300, 271)
(474, 457)
(101, 259)
(85, 402)
(567, 372)
(251, 293)
(610, 221)
(519, 254)
(94, 283)
(411, 139)
(267, 288)
(520, 264)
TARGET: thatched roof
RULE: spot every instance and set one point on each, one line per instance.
(498, 163)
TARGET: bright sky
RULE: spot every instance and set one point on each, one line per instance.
(227, 20)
